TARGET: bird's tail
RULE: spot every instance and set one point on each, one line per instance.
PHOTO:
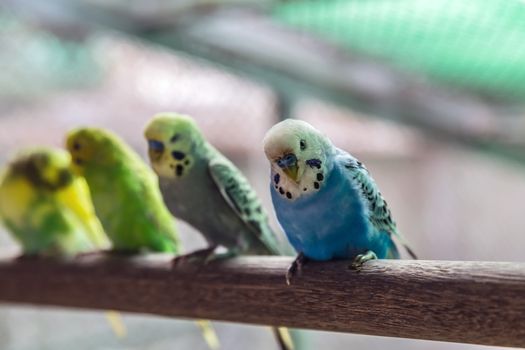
(410, 251)
(401, 239)
(284, 338)
(209, 334)
(116, 323)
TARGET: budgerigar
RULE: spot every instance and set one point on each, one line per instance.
(127, 198)
(326, 201)
(125, 192)
(47, 208)
(205, 189)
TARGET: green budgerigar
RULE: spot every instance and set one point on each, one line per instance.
(205, 189)
(47, 208)
(127, 198)
(125, 192)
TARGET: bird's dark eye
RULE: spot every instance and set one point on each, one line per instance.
(302, 144)
(76, 146)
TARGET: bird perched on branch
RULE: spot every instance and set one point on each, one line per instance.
(127, 198)
(325, 199)
(48, 210)
(125, 192)
(205, 189)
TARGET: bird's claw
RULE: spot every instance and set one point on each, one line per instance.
(360, 259)
(296, 266)
(200, 256)
(290, 273)
(179, 260)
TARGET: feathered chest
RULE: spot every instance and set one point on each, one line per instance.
(336, 207)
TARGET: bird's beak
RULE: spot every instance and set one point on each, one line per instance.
(292, 172)
(288, 163)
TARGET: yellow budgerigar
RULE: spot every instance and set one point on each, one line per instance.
(47, 208)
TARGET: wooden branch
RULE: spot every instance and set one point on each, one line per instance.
(470, 302)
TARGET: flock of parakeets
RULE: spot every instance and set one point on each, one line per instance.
(101, 195)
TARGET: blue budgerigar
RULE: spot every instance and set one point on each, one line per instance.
(325, 199)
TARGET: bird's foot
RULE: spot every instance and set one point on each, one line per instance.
(198, 256)
(359, 260)
(295, 267)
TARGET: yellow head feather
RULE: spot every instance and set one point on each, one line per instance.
(172, 140)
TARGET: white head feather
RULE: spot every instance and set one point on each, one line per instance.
(312, 149)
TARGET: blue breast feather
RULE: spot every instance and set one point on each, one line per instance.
(331, 223)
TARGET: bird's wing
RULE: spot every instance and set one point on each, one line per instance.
(155, 212)
(378, 211)
(240, 196)
(77, 198)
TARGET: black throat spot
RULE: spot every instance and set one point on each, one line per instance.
(179, 170)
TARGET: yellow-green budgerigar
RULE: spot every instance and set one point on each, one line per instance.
(127, 198)
(205, 189)
(125, 192)
(47, 208)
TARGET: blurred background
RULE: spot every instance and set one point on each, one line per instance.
(428, 94)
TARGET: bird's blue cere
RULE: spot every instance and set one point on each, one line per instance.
(156, 146)
(287, 161)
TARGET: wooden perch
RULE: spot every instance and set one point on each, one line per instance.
(469, 302)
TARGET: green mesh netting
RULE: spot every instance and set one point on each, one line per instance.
(476, 44)
(34, 62)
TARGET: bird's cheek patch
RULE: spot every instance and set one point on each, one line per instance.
(314, 163)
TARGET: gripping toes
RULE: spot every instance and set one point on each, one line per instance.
(361, 259)
(295, 267)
